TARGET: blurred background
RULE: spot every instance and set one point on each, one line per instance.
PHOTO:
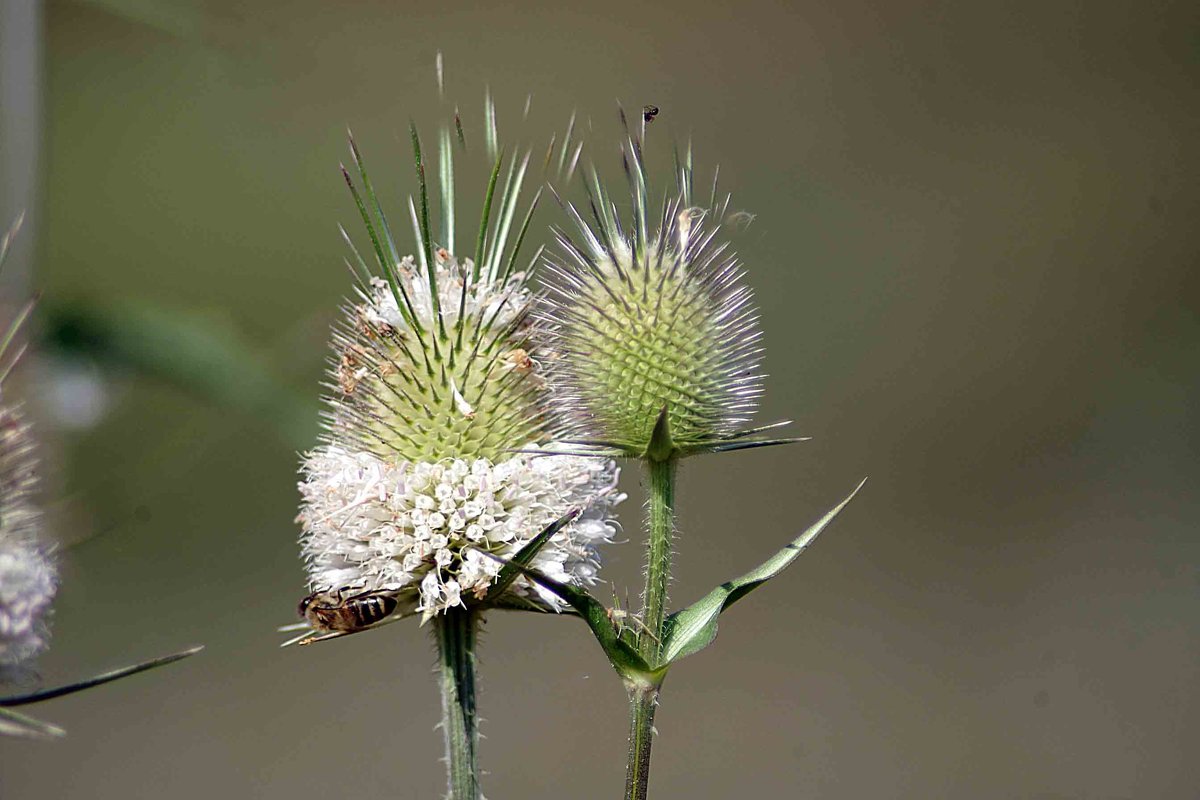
(975, 253)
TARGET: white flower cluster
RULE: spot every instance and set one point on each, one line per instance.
(420, 529)
(27, 575)
(26, 591)
(486, 301)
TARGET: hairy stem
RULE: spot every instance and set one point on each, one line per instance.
(643, 699)
(455, 632)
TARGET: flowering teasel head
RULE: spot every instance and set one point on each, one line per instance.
(655, 333)
(435, 389)
(27, 574)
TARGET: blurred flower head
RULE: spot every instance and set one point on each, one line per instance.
(651, 321)
(435, 388)
(27, 574)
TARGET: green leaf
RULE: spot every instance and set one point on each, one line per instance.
(692, 629)
(524, 557)
(106, 677)
(14, 724)
(621, 654)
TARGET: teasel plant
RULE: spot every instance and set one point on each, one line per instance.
(28, 571)
(657, 352)
(437, 478)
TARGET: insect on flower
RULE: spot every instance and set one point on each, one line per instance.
(327, 612)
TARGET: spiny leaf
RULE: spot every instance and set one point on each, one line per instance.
(524, 557)
(692, 629)
(621, 654)
(106, 677)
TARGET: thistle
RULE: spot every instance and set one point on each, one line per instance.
(653, 324)
(28, 576)
(657, 355)
(421, 491)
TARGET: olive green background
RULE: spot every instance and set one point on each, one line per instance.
(975, 255)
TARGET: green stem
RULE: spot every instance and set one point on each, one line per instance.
(455, 632)
(643, 698)
(642, 702)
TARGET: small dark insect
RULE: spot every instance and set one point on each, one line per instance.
(649, 113)
(328, 611)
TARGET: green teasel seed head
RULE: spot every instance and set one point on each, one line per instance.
(651, 324)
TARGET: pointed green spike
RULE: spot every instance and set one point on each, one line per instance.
(426, 235)
(744, 432)
(489, 113)
(750, 444)
(520, 238)
(446, 164)
(524, 557)
(7, 340)
(7, 240)
(458, 129)
(487, 213)
(14, 724)
(106, 677)
(508, 209)
(692, 629)
(661, 446)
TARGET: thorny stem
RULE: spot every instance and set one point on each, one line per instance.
(455, 632)
(643, 698)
